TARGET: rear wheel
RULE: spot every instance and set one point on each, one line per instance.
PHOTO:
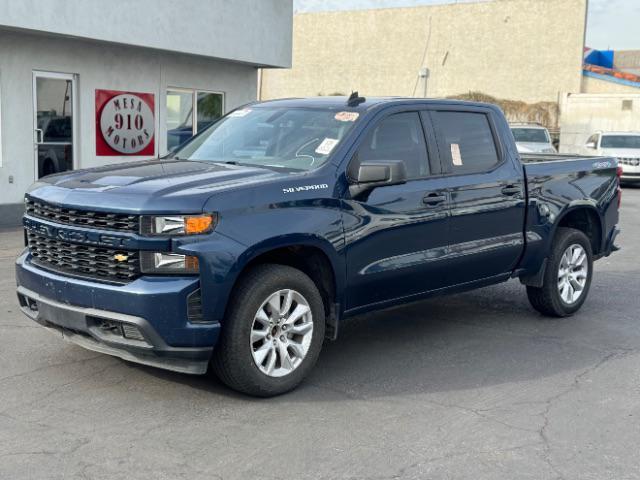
(568, 275)
(273, 333)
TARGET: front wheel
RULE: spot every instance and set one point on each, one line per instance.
(273, 332)
(568, 275)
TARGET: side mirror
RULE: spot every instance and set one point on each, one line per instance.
(369, 175)
(591, 145)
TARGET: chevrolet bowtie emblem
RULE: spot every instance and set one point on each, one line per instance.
(120, 257)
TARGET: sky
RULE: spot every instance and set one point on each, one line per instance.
(611, 24)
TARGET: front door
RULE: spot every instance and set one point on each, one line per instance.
(54, 105)
(395, 234)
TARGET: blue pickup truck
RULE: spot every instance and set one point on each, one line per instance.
(246, 248)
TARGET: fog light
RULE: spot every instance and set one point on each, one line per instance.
(132, 332)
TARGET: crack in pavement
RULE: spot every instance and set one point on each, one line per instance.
(575, 385)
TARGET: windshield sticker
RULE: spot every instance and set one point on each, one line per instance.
(347, 116)
(326, 146)
(240, 113)
(456, 158)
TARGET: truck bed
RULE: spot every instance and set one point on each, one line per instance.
(587, 176)
(556, 157)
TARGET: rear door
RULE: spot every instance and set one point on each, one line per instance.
(395, 234)
(486, 188)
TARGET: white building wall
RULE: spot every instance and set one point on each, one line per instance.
(583, 114)
(250, 31)
(98, 66)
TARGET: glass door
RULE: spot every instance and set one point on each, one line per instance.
(54, 106)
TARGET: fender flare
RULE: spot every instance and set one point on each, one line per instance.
(572, 207)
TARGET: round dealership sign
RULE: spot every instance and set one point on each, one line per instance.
(127, 124)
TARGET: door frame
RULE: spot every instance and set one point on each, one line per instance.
(74, 114)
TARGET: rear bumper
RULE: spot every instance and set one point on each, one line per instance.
(144, 321)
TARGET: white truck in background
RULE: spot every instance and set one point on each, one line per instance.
(532, 138)
(625, 146)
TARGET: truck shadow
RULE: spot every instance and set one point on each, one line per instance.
(477, 339)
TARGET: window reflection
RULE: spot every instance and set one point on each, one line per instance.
(183, 120)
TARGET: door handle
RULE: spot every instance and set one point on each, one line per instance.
(434, 199)
(511, 190)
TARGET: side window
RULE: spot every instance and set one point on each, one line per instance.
(465, 141)
(397, 137)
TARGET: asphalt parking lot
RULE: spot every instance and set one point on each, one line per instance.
(475, 386)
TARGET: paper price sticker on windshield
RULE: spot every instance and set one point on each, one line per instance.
(240, 113)
(326, 146)
(456, 158)
(346, 116)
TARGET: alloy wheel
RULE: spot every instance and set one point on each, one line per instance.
(572, 274)
(281, 333)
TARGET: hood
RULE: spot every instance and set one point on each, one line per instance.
(156, 186)
(621, 152)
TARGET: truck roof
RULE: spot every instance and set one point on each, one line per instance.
(339, 102)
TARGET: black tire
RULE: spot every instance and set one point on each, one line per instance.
(547, 299)
(232, 359)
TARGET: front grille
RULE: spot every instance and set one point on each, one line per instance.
(633, 162)
(121, 222)
(83, 260)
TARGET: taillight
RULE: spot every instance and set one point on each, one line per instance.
(619, 175)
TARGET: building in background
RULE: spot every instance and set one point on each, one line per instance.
(84, 83)
(583, 114)
(520, 50)
(609, 100)
(610, 71)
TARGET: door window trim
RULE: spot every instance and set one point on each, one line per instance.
(75, 137)
(446, 165)
(374, 124)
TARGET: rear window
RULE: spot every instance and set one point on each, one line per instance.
(530, 135)
(466, 141)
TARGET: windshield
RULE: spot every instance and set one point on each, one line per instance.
(530, 135)
(289, 138)
(620, 141)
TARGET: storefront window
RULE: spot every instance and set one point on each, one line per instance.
(209, 109)
(183, 120)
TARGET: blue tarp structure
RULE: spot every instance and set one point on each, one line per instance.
(601, 58)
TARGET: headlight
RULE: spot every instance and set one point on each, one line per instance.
(176, 224)
(168, 263)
